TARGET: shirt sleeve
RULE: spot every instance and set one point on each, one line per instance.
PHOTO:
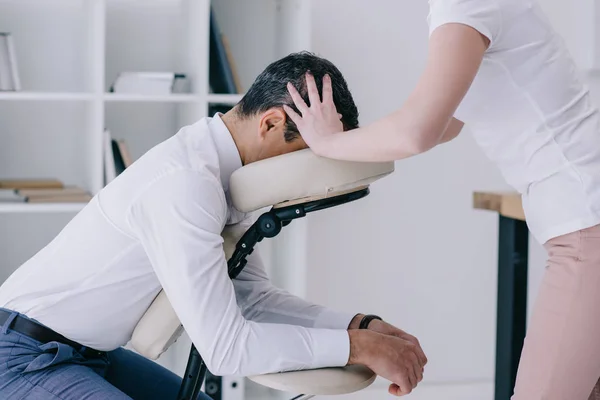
(481, 15)
(178, 221)
(260, 301)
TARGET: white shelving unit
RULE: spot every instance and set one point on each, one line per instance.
(70, 52)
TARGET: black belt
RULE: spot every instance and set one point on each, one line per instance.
(44, 334)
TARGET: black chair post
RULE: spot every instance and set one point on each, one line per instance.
(194, 376)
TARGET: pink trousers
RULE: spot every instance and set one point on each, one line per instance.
(561, 355)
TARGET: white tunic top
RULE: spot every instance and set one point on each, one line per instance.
(158, 225)
(531, 114)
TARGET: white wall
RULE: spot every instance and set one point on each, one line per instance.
(415, 251)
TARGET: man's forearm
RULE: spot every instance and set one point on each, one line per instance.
(260, 301)
(272, 305)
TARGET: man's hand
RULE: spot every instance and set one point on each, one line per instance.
(387, 329)
(388, 356)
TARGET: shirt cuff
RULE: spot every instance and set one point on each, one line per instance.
(331, 348)
(330, 319)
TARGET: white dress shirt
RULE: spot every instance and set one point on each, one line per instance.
(158, 225)
(530, 112)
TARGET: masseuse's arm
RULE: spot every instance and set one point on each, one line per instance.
(424, 121)
(452, 131)
(178, 220)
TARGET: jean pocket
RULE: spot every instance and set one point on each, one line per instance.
(56, 353)
(29, 359)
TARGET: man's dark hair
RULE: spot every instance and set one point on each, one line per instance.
(269, 89)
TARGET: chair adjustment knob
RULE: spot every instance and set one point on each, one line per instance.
(269, 225)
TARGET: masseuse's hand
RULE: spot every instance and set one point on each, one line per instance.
(388, 356)
(319, 121)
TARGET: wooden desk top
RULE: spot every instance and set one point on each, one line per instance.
(506, 204)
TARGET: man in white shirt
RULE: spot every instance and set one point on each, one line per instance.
(69, 309)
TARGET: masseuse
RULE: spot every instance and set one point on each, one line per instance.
(499, 67)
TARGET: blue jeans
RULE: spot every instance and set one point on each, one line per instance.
(55, 371)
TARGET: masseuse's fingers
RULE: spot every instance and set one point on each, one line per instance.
(292, 114)
(328, 92)
(313, 92)
(298, 100)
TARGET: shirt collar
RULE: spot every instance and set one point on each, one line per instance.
(229, 156)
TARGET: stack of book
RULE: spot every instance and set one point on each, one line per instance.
(9, 73)
(41, 191)
(150, 83)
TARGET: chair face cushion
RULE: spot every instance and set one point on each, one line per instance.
(299, 175)
(320, 382)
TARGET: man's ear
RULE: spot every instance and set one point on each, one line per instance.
(272, 121)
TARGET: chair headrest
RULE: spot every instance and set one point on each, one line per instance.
(299, 175)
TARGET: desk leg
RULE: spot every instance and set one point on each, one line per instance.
(512, 303)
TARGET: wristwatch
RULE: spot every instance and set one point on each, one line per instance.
(366, 320)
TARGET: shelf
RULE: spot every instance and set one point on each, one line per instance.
(170, 98)
(232, 99)
(118, 97)
(41, 207)
(45, 96)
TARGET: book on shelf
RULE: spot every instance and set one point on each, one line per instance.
(71, 194)
(70, 198)
(9, 71)
(66, 191)
(151, 83)
(232, 65)
(221, 75)
(30, 184)
(110, 171)
(116, 157)
(125, 154)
